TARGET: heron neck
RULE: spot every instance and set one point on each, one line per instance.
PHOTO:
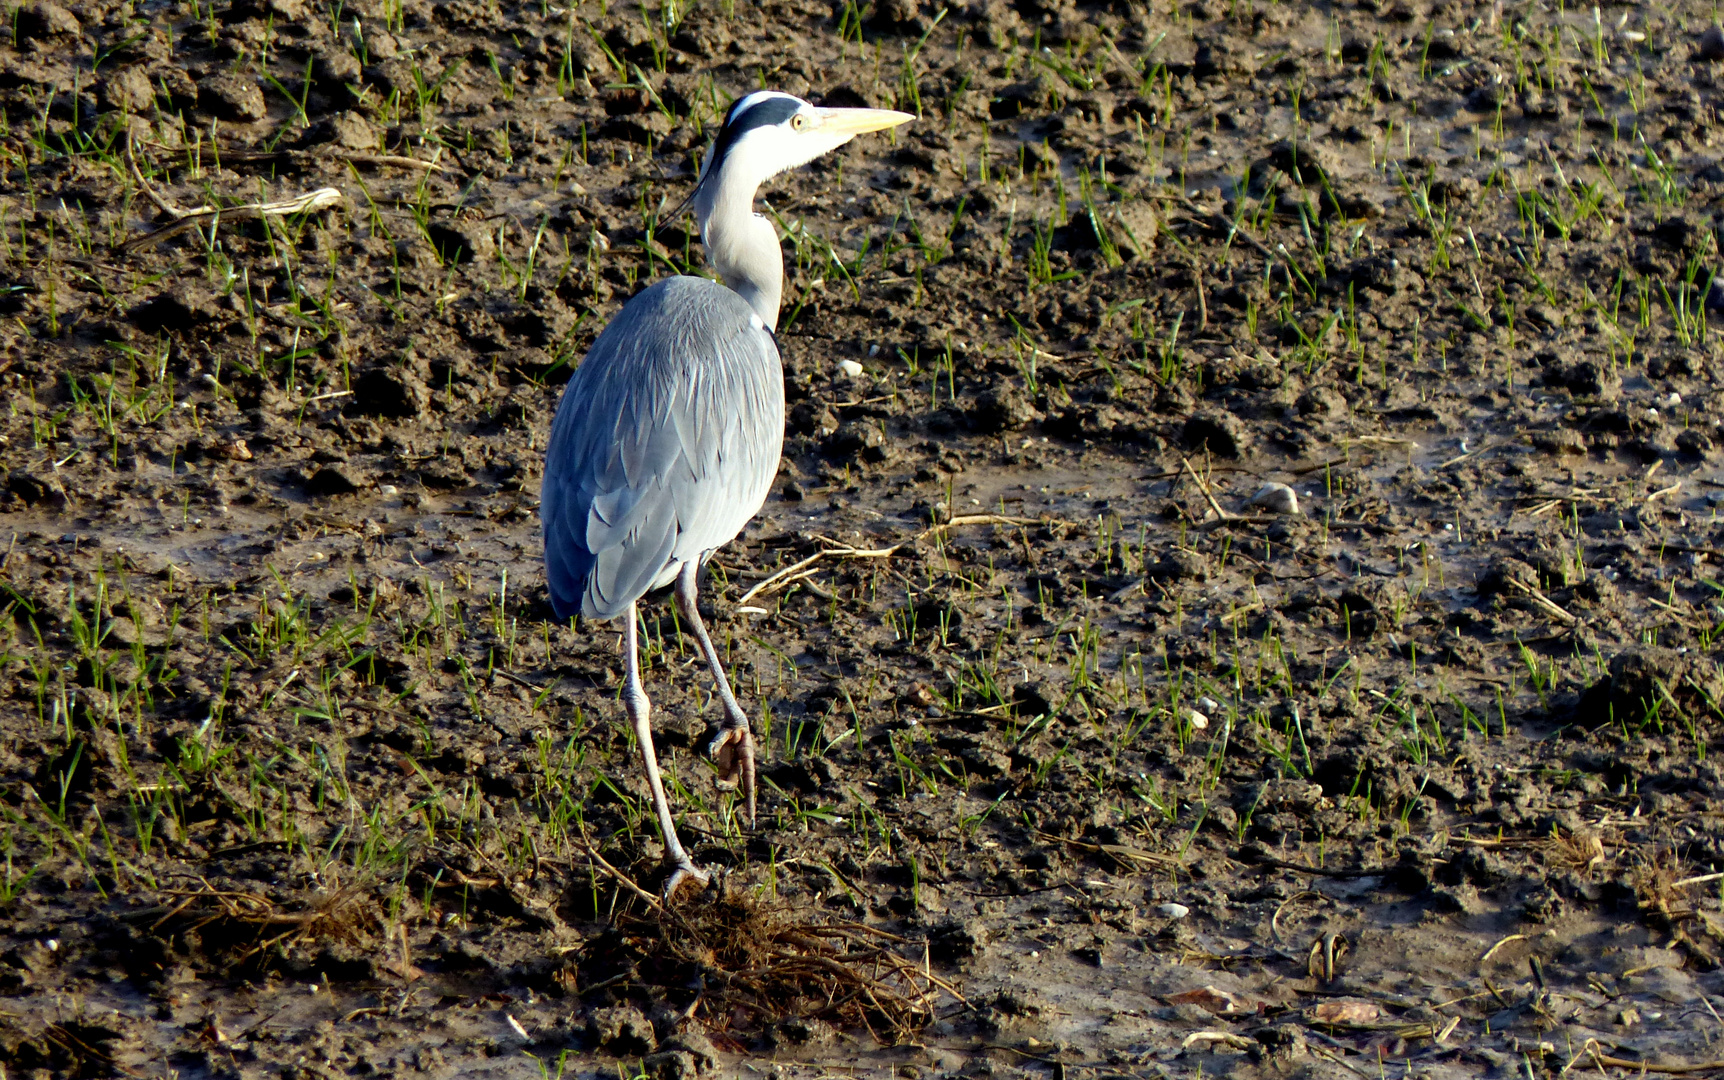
(743, 248)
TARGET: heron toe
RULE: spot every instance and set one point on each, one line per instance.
(681, 876)
(732, 750)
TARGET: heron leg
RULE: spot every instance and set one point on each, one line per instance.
(733, 747)
(639, 709)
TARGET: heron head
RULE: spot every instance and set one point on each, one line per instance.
(767, 132)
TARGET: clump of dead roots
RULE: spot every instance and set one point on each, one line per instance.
(747, 960)
(248, 929)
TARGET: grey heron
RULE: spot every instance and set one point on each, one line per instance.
(668, 434)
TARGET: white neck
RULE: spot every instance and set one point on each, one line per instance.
(741, 245)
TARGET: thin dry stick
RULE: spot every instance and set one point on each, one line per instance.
(321, 199)
(1224, 515)
(1701, 880)
(1673, 1067)
(1492, 951)
(619, 877)
(788, 574)
(1544, 602)
(1202, 300)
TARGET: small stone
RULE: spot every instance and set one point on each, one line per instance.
(1171, 910)
(1711, 43)
(1199, 722)
(231, 97)
(850, 368)
(1276, 498)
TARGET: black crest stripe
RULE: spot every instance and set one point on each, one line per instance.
(773, 110)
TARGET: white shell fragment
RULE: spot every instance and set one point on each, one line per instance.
(1171, 910)
(1276, 498)
(850, 368)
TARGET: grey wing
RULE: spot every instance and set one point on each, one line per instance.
(665, 445)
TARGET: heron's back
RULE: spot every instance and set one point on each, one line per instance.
(665, 444)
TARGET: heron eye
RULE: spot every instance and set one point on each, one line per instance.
(800, 121)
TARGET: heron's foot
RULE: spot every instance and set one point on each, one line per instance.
(684, 874)
(732, 751)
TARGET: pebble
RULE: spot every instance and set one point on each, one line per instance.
(850, 368)
(1276, 498)
(1198, 720)
(1173, 911)
(1712, 43)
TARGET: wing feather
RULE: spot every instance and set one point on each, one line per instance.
(664, 446)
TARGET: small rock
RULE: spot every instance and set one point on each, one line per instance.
(1711, 44)
(1276, 498)
(231, 97)
(850, 368)
(1199, 722)
(1172, 910)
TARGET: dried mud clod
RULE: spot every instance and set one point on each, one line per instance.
(1650, 686)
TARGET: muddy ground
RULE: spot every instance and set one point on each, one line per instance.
(1077, 763)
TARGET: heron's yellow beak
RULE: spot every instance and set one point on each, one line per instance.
(859, 121)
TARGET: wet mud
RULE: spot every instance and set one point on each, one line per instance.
(1241, 594)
